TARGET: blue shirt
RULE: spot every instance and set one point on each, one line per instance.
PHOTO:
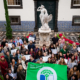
(18, 41)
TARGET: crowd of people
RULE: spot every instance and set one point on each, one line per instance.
(14, 66)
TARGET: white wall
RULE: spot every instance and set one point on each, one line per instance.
(65, 12)
(26, 13)
(2, 11)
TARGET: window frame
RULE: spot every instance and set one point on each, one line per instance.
(75, 24)
(19, 23)
(72, 5)
(15, 7)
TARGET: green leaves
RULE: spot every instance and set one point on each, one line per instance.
(8, 26)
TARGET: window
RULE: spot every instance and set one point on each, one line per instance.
(75, 4)
(14, 3)
(76, 21)
(15, 20)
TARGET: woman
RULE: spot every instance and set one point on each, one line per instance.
(72, 71)
(32, 52)
(39, 54)
(49, 60)
(67, 56)
(23, 49)
(21, 73)
(62, 62)
(45, 54)
(72, 62)
(64, 50)
(74, 77)
(12, 76)
(53, 58)
(7, 77)
(19, 62)
(14, 57)
(44, 49)
(13, 66)
(3, 65)
(62, 40)
(49, 51)
(23, 62)
(73, 49)
(60, 55)
(18, 46)
(8, 57)
(18, 54)
(52, 46)
(27, 52)
(57, 47)
(13, 47)
(76, 56)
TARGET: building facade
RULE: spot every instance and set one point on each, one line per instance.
(24, 16)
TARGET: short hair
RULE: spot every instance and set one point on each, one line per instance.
(44, 44)
(41, 57)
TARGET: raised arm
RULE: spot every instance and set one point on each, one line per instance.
(39, 9)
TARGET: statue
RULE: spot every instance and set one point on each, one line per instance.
(44, 17)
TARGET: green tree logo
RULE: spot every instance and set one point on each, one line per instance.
(46, 73)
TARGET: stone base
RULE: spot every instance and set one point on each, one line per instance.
(41, 30)
(44, 36)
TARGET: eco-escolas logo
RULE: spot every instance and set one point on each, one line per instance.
(46, 73)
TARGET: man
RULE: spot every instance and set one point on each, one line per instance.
(31, 45)
(68, 47)
(11, 41)
(24, 38)
(32, 59)
(6, 48)
(55, 39)
(40, 60)
(33, 36)
(18, 40)
(3, 42)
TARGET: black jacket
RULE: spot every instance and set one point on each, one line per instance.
(55, 40)
(15, 68)
(21, 75)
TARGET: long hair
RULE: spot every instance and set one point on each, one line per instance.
(73, 59)
(75, 76)
(61, 62)
(40, 53)
(18, 69)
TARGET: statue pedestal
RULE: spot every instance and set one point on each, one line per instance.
(44, 36)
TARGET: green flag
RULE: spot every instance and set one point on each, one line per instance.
(46, 71)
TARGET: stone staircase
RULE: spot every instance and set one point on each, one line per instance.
(72, 36)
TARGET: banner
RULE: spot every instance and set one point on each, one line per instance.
(46, 71)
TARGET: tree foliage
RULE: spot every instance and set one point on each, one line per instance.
(8, 26)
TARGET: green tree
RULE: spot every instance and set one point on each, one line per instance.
(8, 26)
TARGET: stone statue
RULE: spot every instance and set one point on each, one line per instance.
(44, 17)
